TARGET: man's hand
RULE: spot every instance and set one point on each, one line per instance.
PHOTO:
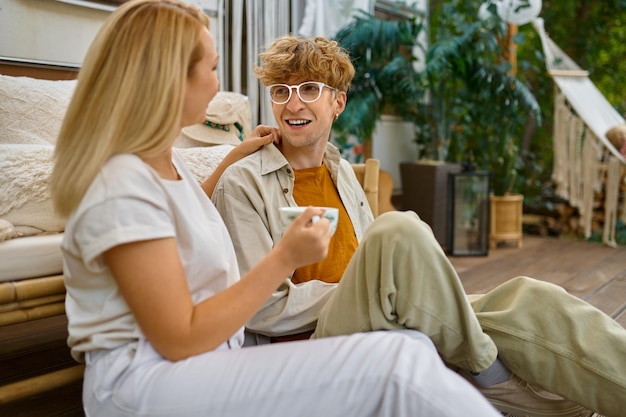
(306, 239)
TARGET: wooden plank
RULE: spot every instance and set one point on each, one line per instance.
(34, 348)
(40, 384)
(611, 297)
(529, 260)
(65, 401)
(584, 282)
(52, 358)
(577, 266)
(476, 272)
(466, 263)
(33, 335)
(37, 71)
(561, 262)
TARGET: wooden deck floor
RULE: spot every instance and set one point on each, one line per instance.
(592, 271)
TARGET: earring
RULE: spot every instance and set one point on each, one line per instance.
(336, 116)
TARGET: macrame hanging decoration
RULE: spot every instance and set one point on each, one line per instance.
(585, 161)
(610, 204)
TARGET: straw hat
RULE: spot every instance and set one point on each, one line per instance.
(617, 135)
(227, 122)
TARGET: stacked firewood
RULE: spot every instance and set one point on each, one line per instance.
(564, 220)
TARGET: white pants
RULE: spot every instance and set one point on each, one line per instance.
(393, 374)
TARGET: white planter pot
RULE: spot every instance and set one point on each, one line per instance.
(393, 142)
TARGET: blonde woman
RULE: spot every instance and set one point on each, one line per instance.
(155, 303)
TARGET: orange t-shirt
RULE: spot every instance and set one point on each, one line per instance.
(315, 187)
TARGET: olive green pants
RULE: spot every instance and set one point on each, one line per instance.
(400, 278)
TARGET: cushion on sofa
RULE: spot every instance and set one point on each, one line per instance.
(31, 115)
(24, 196)
(25, 204)
(202, 161)
(32, 110)
(30, 257)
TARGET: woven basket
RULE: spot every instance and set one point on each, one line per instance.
(506, 219)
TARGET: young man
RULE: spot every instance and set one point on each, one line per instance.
(391, 273)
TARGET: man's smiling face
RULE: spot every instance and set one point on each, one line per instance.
(306, 124)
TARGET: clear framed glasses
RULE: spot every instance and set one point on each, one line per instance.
(308, 91)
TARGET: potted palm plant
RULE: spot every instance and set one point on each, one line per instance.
(389, 81)
(466, 105)
(386, 79)
(477, 107)
(501, 107)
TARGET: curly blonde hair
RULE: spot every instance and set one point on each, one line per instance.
(306, 59)
(130, 92)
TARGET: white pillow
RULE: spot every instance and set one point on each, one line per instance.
(203, 160)
(32, 110)
(24, 196)
(26, 208)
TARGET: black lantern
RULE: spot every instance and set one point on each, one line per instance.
(468, 213)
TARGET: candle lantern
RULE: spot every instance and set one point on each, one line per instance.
(468, 213)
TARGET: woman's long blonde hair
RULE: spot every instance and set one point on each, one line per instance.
(130, 91)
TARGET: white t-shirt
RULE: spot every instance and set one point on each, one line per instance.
(129, 202)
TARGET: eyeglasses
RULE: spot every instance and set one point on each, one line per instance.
(308, 91)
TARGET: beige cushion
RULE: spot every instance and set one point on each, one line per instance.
(32, 110)
(30, 257)
(24, 196)
(26, 208)
(31, 114)
(202, 161)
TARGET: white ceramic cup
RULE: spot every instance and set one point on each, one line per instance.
(288, 214)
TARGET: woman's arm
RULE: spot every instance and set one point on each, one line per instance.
(260, 136)
(152, 281)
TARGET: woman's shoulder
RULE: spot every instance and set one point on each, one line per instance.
(128, 168)
(124, 164)
(122, 175)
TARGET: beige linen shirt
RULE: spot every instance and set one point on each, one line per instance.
(248, 196)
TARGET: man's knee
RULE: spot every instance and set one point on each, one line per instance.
(535, 287)
(399, 223)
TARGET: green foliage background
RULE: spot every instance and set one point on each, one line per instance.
(593, 34)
